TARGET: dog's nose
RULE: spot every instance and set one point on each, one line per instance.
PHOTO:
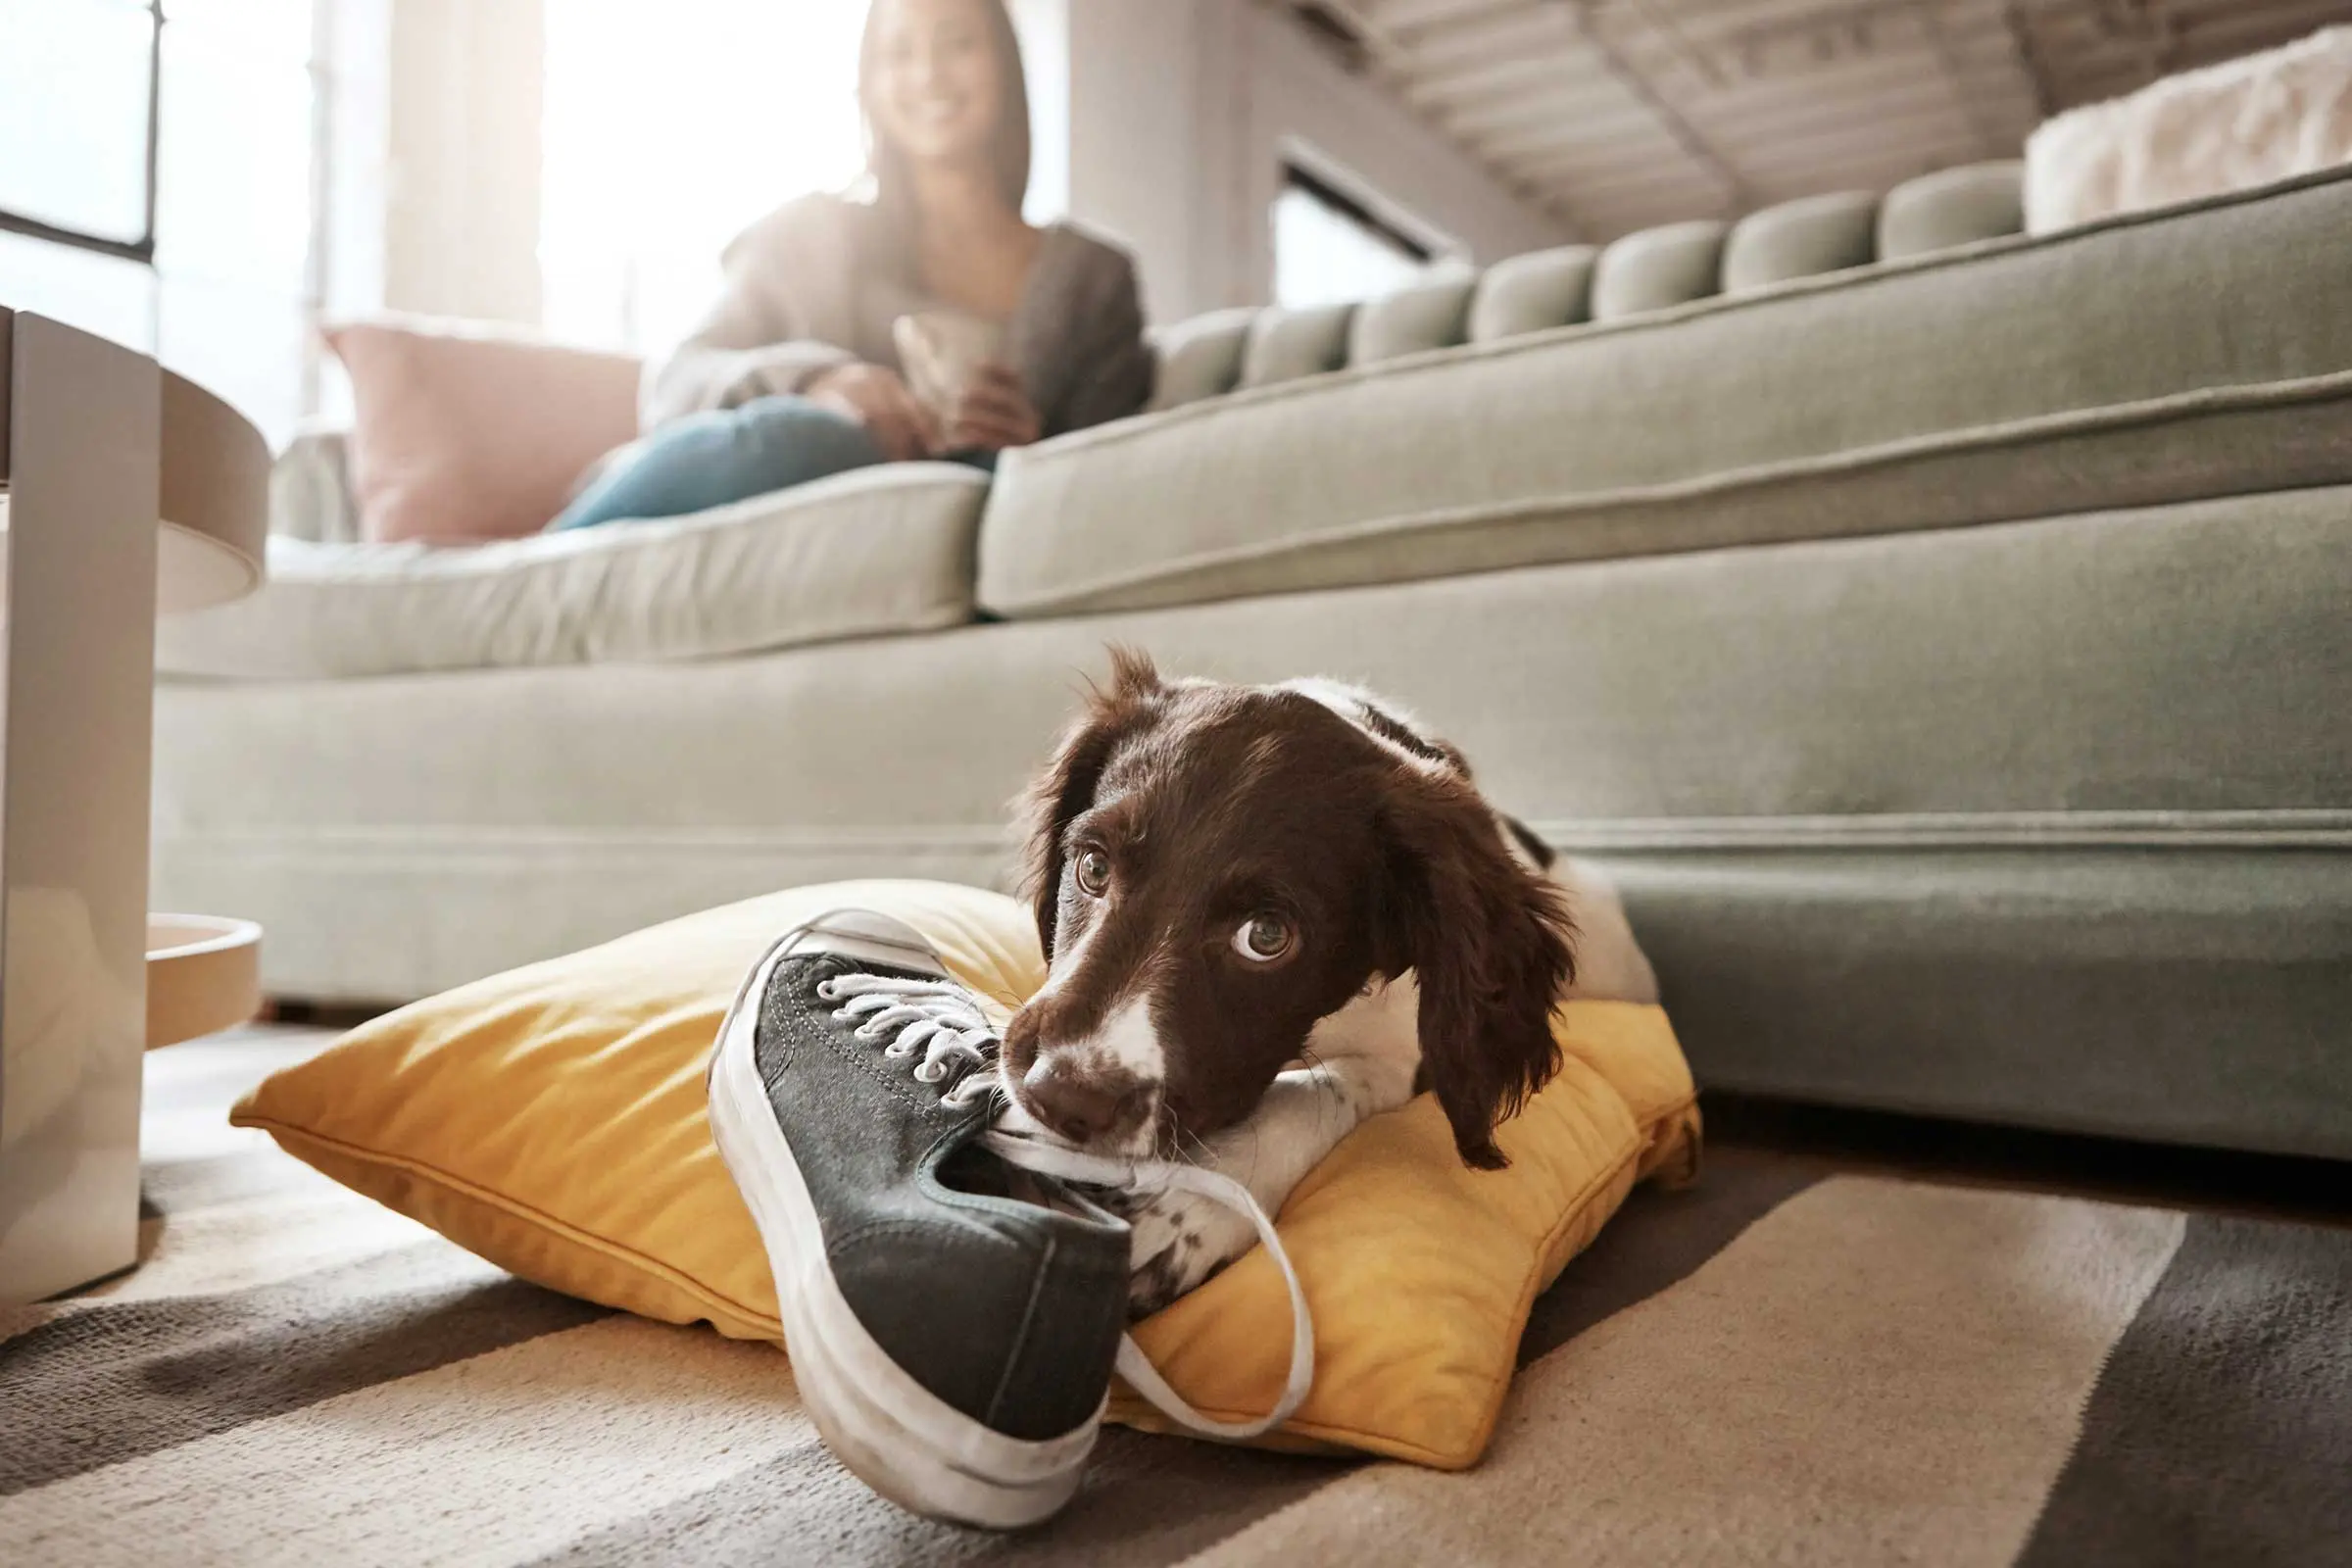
(1074, 1107)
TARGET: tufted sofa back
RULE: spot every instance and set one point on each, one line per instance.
(1654, 269)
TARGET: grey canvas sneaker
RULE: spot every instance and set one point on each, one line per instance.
(953, 1342)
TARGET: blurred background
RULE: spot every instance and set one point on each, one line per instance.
(208, 178)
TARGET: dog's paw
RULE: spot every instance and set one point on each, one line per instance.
(1180, 1240)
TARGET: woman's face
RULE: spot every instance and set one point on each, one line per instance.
(935, 91)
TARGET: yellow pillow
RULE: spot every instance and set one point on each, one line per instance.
(552, 1120)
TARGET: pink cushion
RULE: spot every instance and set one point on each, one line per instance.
(465, 432)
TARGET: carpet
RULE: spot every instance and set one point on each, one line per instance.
(1787, 1364)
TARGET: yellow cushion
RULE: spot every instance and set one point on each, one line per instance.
(552, 1120)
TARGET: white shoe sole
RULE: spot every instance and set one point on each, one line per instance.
(894, 1434)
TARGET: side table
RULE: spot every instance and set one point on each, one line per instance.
(204, 975)
(124, 489)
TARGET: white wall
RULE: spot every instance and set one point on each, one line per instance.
(1181, 116)
(1143, 156)
(355, 39)
(1043, 26)
(462, 218)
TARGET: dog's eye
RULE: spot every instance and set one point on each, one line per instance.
(1092, 868)
(1264, 937)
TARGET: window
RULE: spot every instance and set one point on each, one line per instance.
(156, 183)
(671, 126)
(76, 83)
(77, 163)
(1330, 247)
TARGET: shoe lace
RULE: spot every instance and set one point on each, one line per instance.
(937, 1017)
(943, 1021)
(1151, 1178)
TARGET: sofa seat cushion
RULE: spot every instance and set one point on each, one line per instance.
(884, 550)
(2161, 357)
(2173, 675)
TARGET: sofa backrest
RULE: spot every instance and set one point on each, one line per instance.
(1656, 268)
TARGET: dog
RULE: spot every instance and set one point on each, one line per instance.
(1270, 913)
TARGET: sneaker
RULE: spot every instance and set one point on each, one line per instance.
(953, 1340)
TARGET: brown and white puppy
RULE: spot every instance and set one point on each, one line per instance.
(1271, 911)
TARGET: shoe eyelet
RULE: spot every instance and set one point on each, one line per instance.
(825, 992)
(898, 1051)
(930, 1072)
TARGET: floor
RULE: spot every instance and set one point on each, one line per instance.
(1787, 1363)
(2208, 1180)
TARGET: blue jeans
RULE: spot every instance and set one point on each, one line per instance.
(707, 459)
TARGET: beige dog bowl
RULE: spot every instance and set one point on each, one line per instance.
(204, 975)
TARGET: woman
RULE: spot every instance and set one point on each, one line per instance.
(795, 373)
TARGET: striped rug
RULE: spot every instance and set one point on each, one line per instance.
(1786, 1364)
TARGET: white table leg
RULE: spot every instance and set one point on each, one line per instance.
(83, 427)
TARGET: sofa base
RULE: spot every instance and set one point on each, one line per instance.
(358, 917)
(2193, 996)
(2047, 822)
(2190, 993)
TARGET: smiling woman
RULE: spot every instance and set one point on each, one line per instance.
(918, 315)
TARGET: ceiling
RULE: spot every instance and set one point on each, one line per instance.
(1615, 115)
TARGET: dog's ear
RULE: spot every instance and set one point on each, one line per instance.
(1133, 677)
(1067, 785)
(1491, 943)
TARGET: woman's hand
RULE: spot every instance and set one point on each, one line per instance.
(900, 424)
(993, 414)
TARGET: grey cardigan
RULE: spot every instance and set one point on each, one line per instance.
(814, 284)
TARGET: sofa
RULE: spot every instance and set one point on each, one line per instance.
(1942, 635)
